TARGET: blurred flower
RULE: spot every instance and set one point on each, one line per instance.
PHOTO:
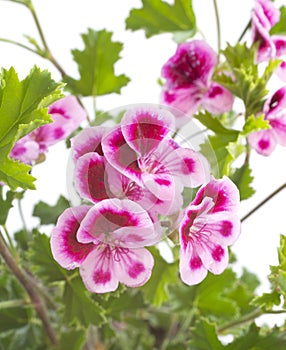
(67, 115)
(264, 17)
(209, 225)
(265, 141)
(106, 243)
(188, 77)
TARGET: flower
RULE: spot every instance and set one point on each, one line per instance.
(142, 149)
(106, 241)
(209, 225)
(188, 80)
(265, 141)
(264, 17)
(67, 115)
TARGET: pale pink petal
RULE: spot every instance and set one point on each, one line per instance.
(161, 185)
(189, 166)
(67, 115)
(25, 150)
(120, 155)
(133, 267)
(186, 100)
(264, 142)
(214, 257)
(117, 222)
(279, 129)
(145, 126)
(192, 270)
(281, 71)
(88, 140)
(217, 99)
(97, 271)
(90, 177)
(66, 250)
(280, 44)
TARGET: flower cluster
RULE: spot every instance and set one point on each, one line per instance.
(67, 115)
(132, 175)
(264, 17)
(189, 82)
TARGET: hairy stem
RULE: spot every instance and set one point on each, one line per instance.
(244, 31)
(217, 26)
(268, 198)
(35, 298)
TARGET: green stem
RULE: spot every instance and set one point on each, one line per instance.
(273, 194)
(49, 55)
(22, 215)
(35, 298)
(20, 45)
(217, 27)
(244, 31)
(247, 318)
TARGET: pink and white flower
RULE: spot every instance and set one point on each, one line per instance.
(264, 17)
(106, 243)
(265, 141)
(188, 77)
(142, 150)
(209, 225)
(67, 115)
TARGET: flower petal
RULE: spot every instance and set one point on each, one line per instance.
(120, 155)
(133, 267)
(192, 270)
(66, 250)
(25, 150)
(264, 142)
(223, 192)
(214, 257)
(88, 140)
(97, 271)
(145, 126)
(90, 177)
(217, 99)
(281, 71)
(118, 222)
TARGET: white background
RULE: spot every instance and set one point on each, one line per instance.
(63, 21)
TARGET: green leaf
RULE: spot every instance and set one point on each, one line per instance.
(157, 16)
(79, 306)
(215, 148)
(23, 108)
(163, 274)
(243, 179)
(42, 262)
(49, 214)
(254, 339)
(5, 204)
(254, 124)
(246, 81)
(267, 300)
(204, 337)
(96, 65)
(72, 339)
(280, 27)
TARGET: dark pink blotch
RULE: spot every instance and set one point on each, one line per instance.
(136, 270)
(195, 263)
(218, 253)
(101, 277)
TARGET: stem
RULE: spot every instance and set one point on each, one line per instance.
(273, 194)
(49, 55)
(20, 45)
(217, 27)
(35, 298)
(244, 31)
(247, 318)
(22, 215)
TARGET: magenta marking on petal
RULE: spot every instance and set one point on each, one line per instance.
(276, 98)
(214, 91)
(196, 263)
(101, 277)
(111, 219)
(57, 110)
(136, 270)
(227, 227)
(218, 253)
(162, 182)
(263, 144)
(58, 133)
(190, 164)
(96, 180)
